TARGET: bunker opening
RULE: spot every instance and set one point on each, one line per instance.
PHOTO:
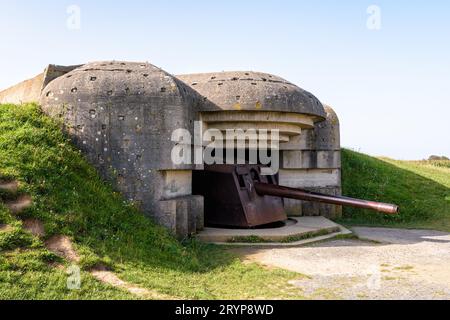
(241, 196)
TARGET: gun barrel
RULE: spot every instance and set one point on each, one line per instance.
(300, 194)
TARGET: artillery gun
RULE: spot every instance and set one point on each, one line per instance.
(239, 196)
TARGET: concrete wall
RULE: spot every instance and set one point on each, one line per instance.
(30, 90)
(253, 91)
(122, 116)
(312, 161)
(24, 92)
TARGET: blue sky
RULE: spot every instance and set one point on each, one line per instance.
(390, 87)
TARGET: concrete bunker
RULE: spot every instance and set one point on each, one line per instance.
(122, 116)
(263, 101)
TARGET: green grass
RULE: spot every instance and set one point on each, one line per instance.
(27, 274)
(71, 199)
(420, 188)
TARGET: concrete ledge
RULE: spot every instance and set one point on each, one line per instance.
(30, 90)
(302, 230)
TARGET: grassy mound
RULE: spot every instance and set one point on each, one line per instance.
(420, 188)
(70, 198)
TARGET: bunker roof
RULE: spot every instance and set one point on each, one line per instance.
(248, 90)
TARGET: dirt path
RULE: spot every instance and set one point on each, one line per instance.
(401, 264)
(9, 186)
(103, 275)
(62, 245)
(20, 204)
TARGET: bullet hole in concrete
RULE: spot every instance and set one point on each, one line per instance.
(212, 78)
(264, 79)
(234, 79)
(129, 71)
(110, 93)
(254, 83)
(247, 74)
(103, 126)
(93, 78)
(121, 118)
(74, 90)
(146, 75)
(163, 89)
(220, 84)
(238, 98)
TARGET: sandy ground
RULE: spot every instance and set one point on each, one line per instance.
(387, 264)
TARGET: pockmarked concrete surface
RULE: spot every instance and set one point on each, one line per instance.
(382, 264)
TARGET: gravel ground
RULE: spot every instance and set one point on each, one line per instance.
(382, 264)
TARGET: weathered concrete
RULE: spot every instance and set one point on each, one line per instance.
(299, 230)
(325, 136)
(122, 115)
(312, 161)
(253, 91)
(26, 91)
(311, 178)
(288, 124)
(30, 90)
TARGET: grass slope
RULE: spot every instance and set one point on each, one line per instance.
(71, 199)
(420, 188)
